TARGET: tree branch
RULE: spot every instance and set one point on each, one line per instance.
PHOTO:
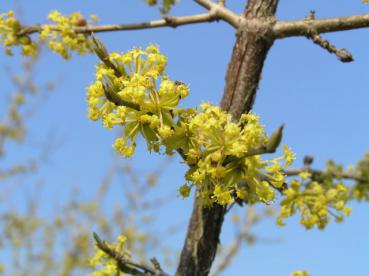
(342, 54)
(318, 173)
(243, 234)
(219, 10)
(283, 29)
(249, 53)
(125, 264)
(167, 21)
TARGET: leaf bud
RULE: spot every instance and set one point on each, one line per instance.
(275, 139)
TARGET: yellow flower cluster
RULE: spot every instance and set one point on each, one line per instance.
(103, 264)
(61, 37)
(316, 202)
(132, 90)
(222, 162)
(9, 35)
(147, 110)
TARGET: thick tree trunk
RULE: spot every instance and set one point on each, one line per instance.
(254, 40)
(243, 75)
(202, 239)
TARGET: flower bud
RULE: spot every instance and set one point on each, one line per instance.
(275, 139)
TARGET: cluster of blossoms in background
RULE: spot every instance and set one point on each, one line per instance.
(316, 201)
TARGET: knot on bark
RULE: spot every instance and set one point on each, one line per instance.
(259, 27)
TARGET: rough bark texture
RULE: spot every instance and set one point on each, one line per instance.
(202, 239)
(249, 53)
(242, 80)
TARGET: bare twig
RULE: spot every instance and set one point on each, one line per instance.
(342, 54)
(282, 29)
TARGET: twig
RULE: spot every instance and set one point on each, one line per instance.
(219, 11)
(342, 54)
(317, 173)
(168, 21)
(282, 29)
(126, 265)
(156, 264)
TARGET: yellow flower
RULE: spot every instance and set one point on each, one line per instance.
(288, 155)
(61, 37)
(122, 239)
(9, 36)
(304, 175)
(165, 131)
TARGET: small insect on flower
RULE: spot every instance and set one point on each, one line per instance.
(181, 88)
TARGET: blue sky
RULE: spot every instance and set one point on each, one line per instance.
(323, 103)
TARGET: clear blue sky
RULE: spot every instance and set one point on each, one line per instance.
(323, 103)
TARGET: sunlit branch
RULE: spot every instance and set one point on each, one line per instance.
(167, 21)
(220, 11)
(282, 29)
(342, 54)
